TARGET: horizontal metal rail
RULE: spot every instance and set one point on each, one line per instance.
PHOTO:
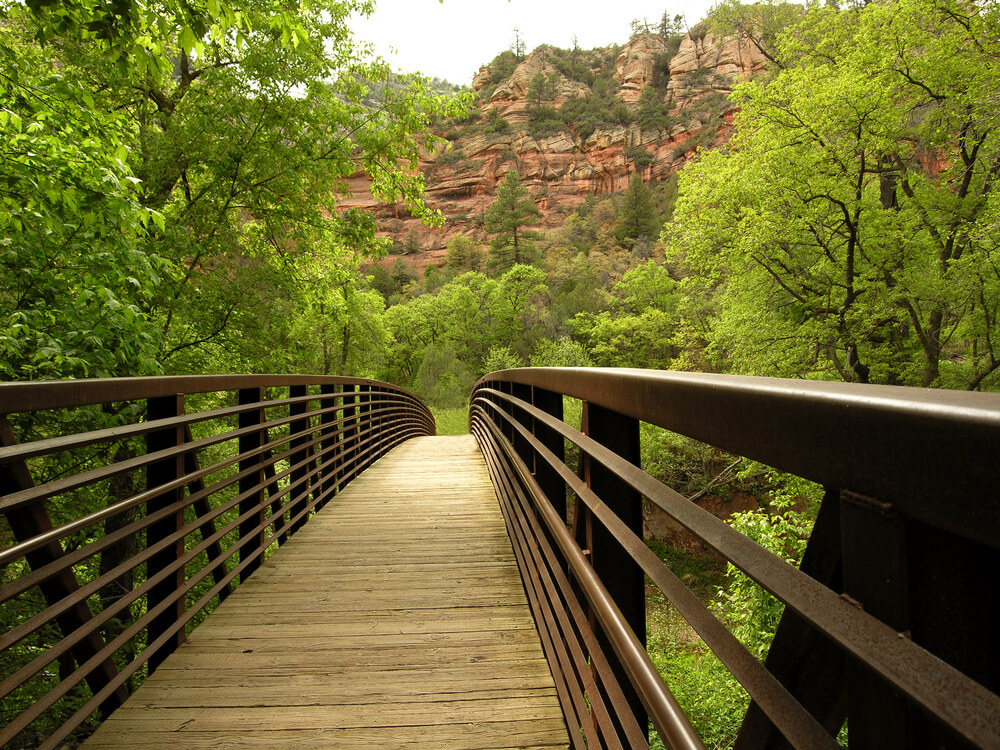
(935, 690)
(117, 540)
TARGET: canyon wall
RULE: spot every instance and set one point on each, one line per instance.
(662, 101)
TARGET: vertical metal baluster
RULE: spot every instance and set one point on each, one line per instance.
(160, 473)
(620, 574)
(299, 430)
(253, 483)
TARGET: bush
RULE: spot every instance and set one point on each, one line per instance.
(495, 123)
(564, 352)
(543, 121)
(501, 358)
(441, 379)
(639, 156)
(450, 156)
(653, 112)
(587, 114)
(502, 66)
(706, 691)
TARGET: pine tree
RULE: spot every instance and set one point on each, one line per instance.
(636, 215)
(513, 210)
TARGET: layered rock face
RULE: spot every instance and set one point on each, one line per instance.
(672, 97)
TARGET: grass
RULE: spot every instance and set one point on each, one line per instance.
(451, 421)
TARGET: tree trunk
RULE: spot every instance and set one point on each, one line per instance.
(932, 347)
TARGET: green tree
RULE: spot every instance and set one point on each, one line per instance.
(542, 88)
(501, 358)
(203, 144)
(412, 245)
(636, 214)
(75, 283)
(849, 229)
(517, 46)
(653, 111)
(507, 219)
(401, 273)
(463, 254)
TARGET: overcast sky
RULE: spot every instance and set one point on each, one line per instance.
(452, 39)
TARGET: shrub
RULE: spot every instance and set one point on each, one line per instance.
(653, 112)
(502, 66)
(451, 156)
(639, 156)
(543, 121)
(495, 123)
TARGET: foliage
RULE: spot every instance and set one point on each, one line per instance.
(501, 358)
(451, 421)
(502, 66)
(74, 284)
(507, 219)
(849, 229)
(169, 165)
(639, 332)
(542, 88)
(708, 693)
(563, 352)
(464, 254)
(496, 124)
(544, 121)
(441, 379)
(636, 214)
(600, 109)
(640, 157)
(750, 611)
(653, 110)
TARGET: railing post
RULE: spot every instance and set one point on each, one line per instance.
(947, 575)
(521, 445)
(201, 509)
(505, 386)
(160, 473)
(299, 430)
(253, 484)
(620, 574)
(349, 436)
(380, 424)
(329, 444)
(548, 478)
(875, 574)
(366, 427)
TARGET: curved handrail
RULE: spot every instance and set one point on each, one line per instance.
(516, 416)
(923, 448)
(124, 536)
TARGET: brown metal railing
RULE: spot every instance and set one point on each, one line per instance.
(888, 621)
(118, 540)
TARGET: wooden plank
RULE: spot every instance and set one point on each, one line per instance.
(239, 719)
(395, 617)
(523, 735)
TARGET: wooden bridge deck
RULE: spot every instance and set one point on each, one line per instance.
(395, 618)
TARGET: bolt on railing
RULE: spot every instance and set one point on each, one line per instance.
(131, 507)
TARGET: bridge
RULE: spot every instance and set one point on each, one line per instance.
(277, 561)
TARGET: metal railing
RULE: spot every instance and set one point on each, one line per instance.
(131, 507)
(888, 621)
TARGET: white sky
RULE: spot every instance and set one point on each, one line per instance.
(451, 40)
